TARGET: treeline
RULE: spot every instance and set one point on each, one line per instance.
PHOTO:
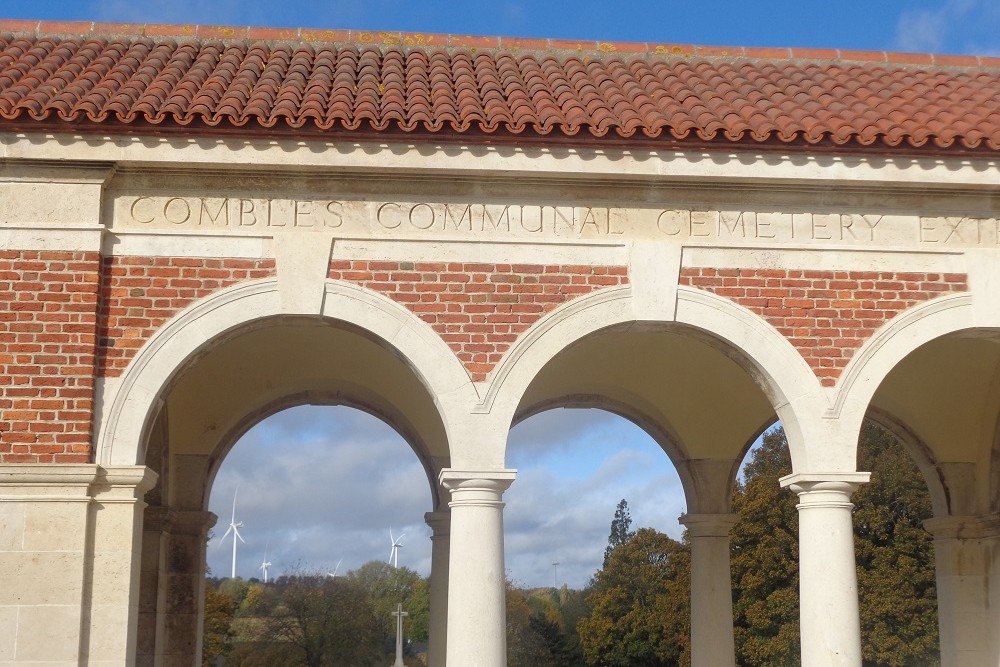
(315, 620)
(636, 610)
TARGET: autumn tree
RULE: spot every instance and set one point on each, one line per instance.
(894, 556)
(640, 611)
(218, 634)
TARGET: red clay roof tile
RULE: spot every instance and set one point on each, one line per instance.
(129, 77)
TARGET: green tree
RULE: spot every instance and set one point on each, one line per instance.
(640, 611)
(764, 561)
(894, 556)
(386, 587)
(620, 532)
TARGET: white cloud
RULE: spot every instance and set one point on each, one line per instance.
(958, 26)
(321, 484)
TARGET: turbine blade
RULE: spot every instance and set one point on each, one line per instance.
(226, 534)
(236, 531)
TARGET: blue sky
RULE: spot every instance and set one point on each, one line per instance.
(954, 26)
(574, 466)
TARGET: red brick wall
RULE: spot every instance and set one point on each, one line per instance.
(139, 294)
(48, 333)
(826, 315)
(478, 309)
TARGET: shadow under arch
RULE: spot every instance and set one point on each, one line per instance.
(132, 402)
(775, 369)
(694, 400)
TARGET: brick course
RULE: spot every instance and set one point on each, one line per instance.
(478, 309)
(48, 334)
(826, 315)
(139, 294)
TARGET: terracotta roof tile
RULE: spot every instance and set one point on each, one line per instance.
(190, 79)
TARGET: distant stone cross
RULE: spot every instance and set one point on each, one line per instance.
(399, 614)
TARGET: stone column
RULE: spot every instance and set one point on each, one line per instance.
(477, 634)
(828, 585)
(967, 558)
(152, 576)
(440, 523)
(111, 585)
(712, 641)
(183, 586)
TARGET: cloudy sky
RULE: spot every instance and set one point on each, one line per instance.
(321, 484)
(573, 466)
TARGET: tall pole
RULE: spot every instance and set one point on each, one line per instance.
(555, 574)
(399, 614)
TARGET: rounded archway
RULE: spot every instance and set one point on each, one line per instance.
(233, 381)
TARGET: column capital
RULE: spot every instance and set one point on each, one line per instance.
(471, 485)
(964, 527)
(189, 522)
(824, 489)
(439, 522)
(708, 525)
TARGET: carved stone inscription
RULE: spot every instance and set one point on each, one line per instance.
(483, 221)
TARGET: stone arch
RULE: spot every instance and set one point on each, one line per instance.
(769, 359)
(132, 401)
(902, 335)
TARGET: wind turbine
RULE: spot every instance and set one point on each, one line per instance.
(234, 528)
(335, 570)
(265, 564)
(397, 542)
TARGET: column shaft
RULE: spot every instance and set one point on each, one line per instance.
(967, 559)
(440, 523)
(477, 634)
(712, 641)
(828, 585)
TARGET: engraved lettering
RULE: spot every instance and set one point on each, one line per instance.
(764, 222)
(177, 211)
(503, 218)
(383, 220)
(135, 205)
(559, 213)
(738, 222)
(926, 229)
(589, 220)
(873, 222)
(336, 217)
(821, 228)
(422, 220)
(672, 221)
(300, 212)
(953, 226)
(465, 218)
(701, 223)
(221, 217)
(524, 219)
(247, 209)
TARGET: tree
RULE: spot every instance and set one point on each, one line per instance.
(310, 620)
(385, 587)
(764, 560)
(894, 556)
(218, 634)
(640, 611)
(619, 529)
